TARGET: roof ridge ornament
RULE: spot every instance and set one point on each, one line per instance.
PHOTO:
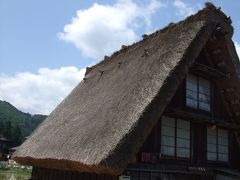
(124, 46)
(106, 57)
(85, 79)
(144, 36)
(146, 53)
(88, 70)
(101, 72)
(229, 19)
(119, 64)
(210, 5)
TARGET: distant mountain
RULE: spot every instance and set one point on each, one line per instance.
(17, 125)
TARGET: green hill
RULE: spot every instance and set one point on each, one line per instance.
(17, 125)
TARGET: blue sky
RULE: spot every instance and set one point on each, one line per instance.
(46, 45)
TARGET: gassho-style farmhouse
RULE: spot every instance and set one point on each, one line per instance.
(164, 108)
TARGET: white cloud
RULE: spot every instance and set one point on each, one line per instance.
(183, 9)
(237, 45)
(102, 29)
(40, 92)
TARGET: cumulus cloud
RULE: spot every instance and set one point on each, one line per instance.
(183, 9)
(40, 92)
(102, 29)
(237, 45)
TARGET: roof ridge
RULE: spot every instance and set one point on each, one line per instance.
(199, 16)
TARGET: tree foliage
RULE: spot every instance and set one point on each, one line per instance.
(7, 132)
(17, 135)
(16, 125)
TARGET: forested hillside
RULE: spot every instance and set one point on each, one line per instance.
(16, 125)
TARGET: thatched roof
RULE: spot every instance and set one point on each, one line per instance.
(100, 126)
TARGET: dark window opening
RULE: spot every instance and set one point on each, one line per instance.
(198, 93)
(217, 144)
(175, 137)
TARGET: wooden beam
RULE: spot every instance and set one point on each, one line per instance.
(217, 52)
(235, 101)
(209, 70)
(221, 64)
(237, 113)
(230, 96)
(200, 118)
(230, 90)
(237, 136)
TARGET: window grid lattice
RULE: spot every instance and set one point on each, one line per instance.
(175, 137)
(198, 93)
(217, 145)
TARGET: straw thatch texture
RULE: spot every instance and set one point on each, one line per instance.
(101, 124)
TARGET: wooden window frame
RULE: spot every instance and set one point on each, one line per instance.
(217, 148)
(198, 102)
(175, 141)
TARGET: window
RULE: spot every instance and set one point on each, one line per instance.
(198, 93)
(217, 144)
(175, 137)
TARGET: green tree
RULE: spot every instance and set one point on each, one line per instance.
(7, 132)
(1, 127)
(26, 121)
(17, 135)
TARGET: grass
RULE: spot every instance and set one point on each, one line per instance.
(14, 173)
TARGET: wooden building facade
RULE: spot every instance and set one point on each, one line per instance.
(165, 108)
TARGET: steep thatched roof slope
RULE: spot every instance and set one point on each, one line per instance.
(101, 124)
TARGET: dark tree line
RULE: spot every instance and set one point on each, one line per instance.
(10, 132)
(15, 124)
